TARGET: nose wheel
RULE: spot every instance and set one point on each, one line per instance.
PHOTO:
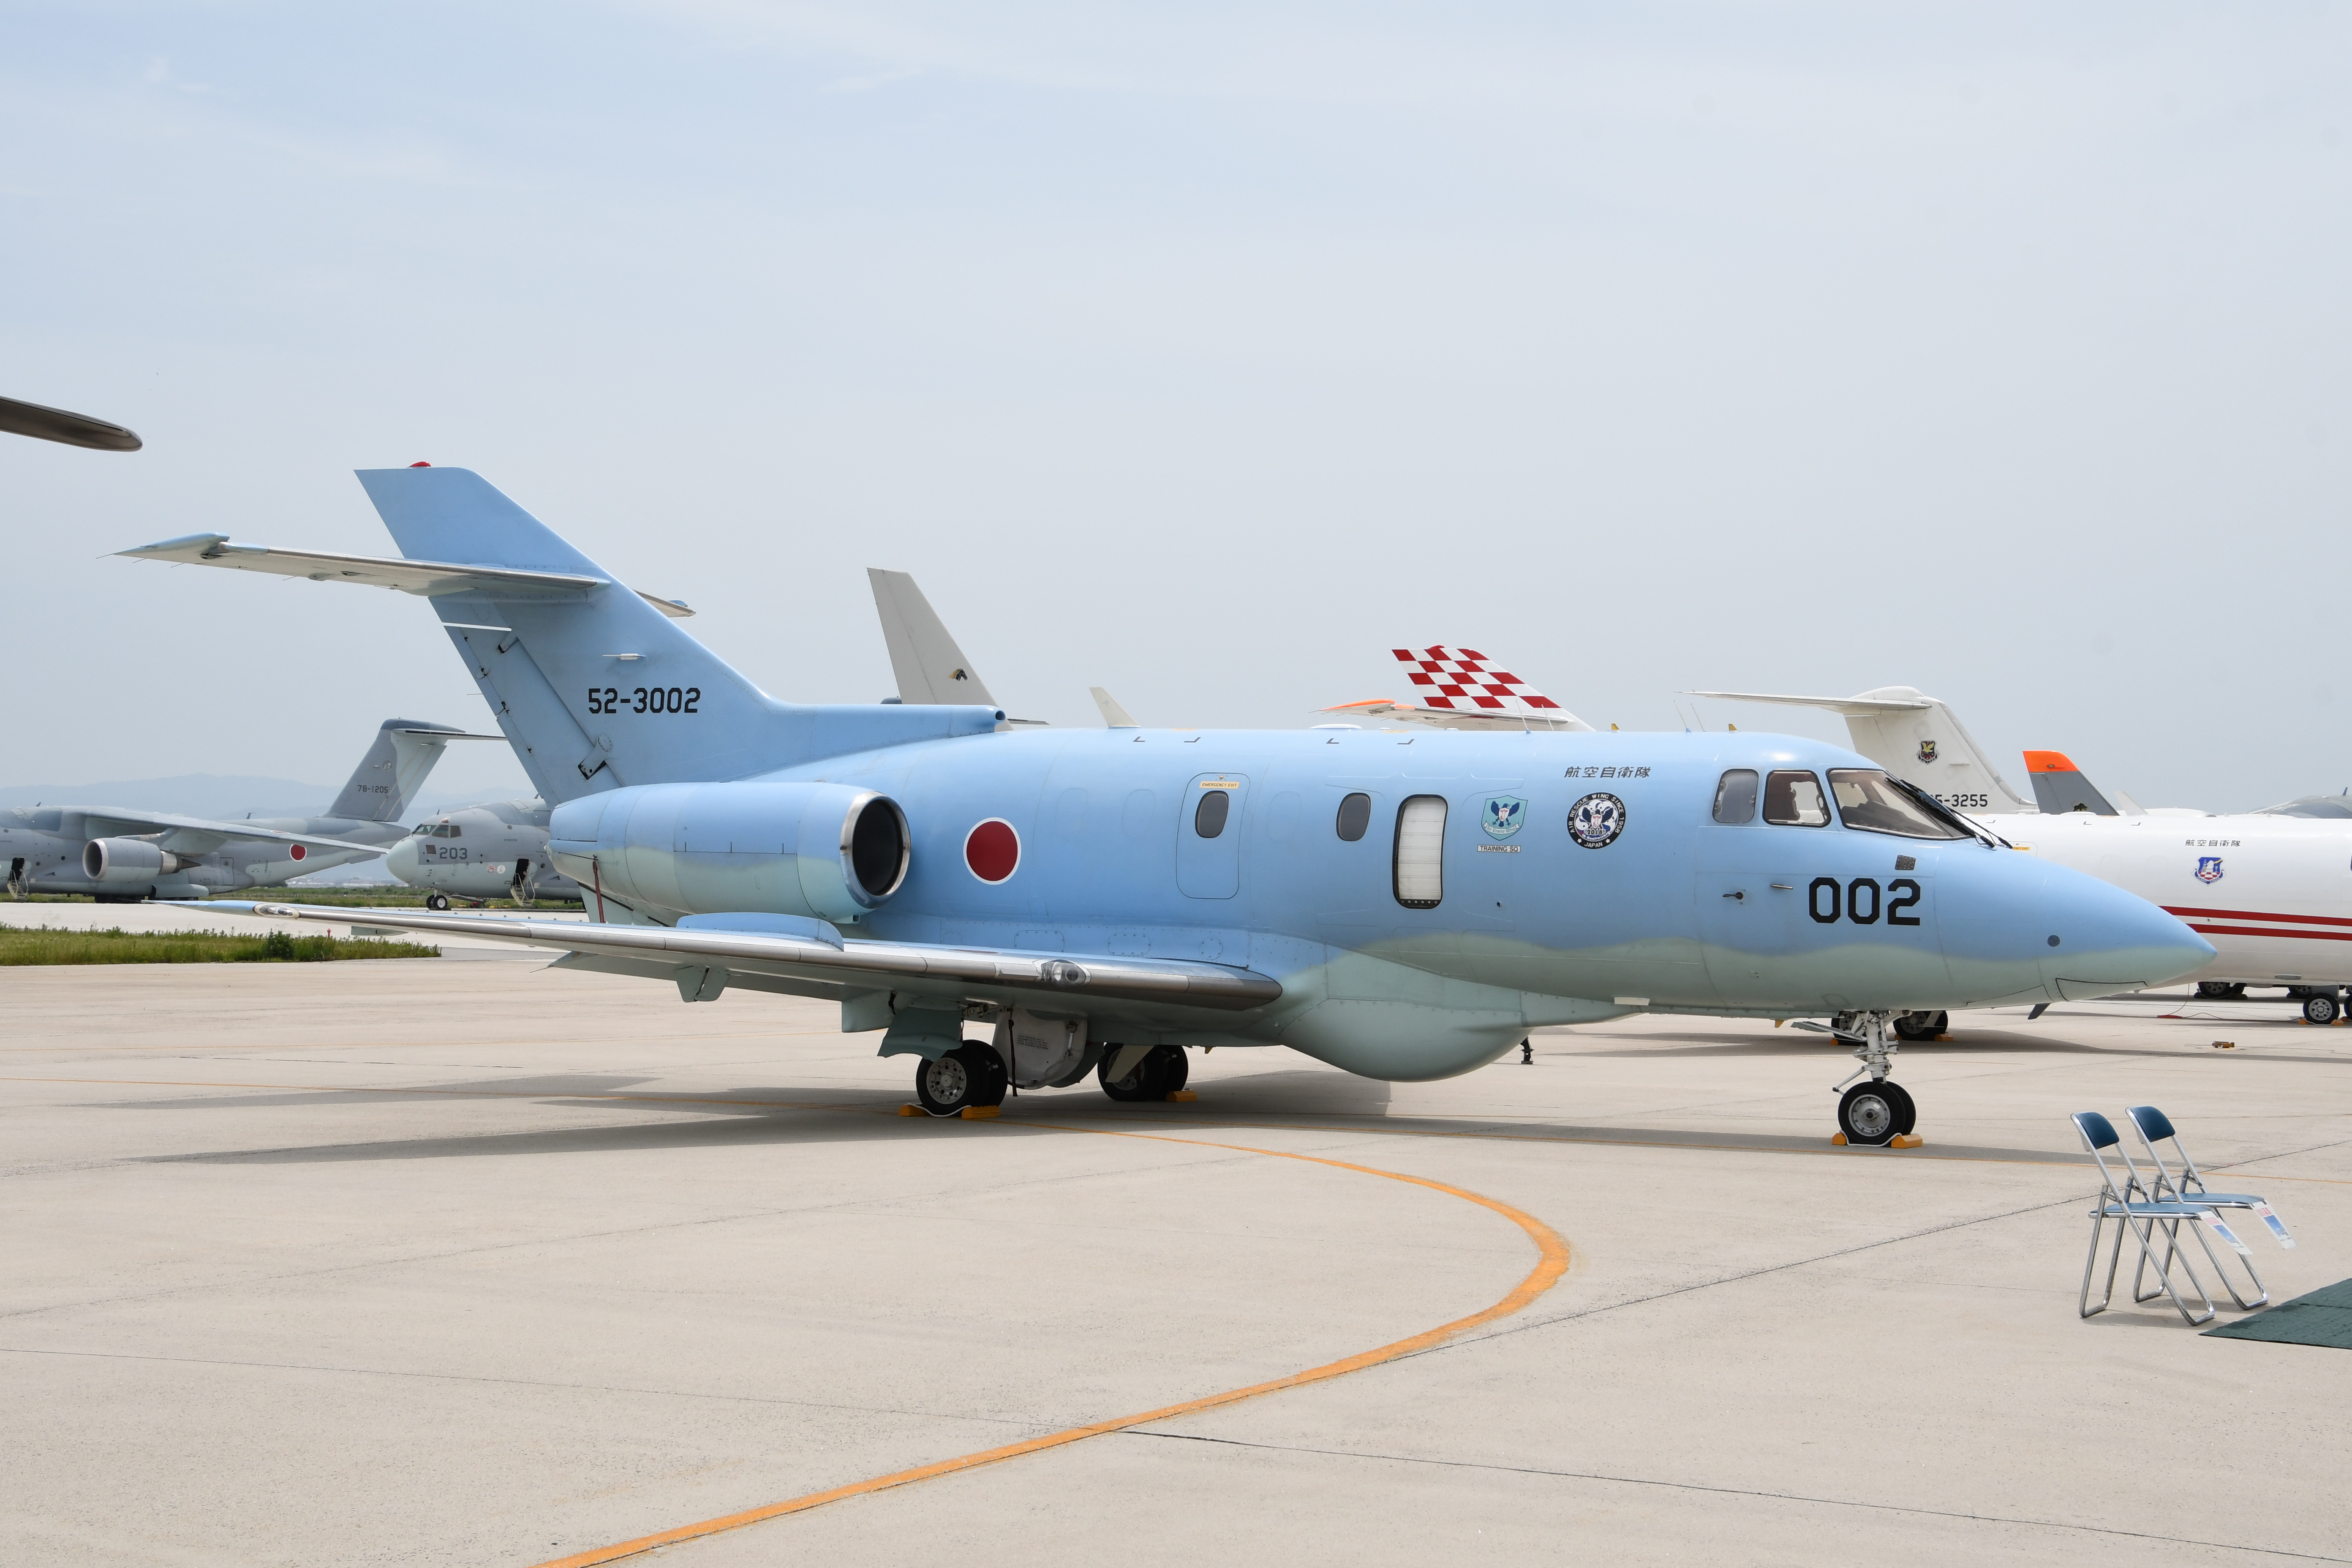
(1878, 1110)
(1874, 1114)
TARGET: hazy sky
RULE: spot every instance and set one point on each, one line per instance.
(1206, 352)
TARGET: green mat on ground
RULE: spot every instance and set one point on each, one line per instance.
(2322, 1318)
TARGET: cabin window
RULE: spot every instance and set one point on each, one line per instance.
(1867, 799)
(1421, 852)
(1355, 815)
(1735, 796)
(1208, 816)
(1793, 799)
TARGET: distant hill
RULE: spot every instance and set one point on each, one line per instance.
(220, 796)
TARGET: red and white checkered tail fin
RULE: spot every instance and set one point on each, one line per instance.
(1464, 681)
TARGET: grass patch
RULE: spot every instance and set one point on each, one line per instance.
(48, 944)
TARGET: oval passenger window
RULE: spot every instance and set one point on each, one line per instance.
(1208, 816)
(1355, 815)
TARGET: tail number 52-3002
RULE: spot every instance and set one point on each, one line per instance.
(644, 700)
(1863, 902)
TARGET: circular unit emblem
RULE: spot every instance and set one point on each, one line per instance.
(297, 852)
(993, 850)
(1595, 821)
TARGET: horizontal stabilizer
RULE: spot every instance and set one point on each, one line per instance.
(954, 971)
(427, 579)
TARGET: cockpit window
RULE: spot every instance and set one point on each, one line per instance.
(1793, 799)
(1735, 796)
(1867, 799)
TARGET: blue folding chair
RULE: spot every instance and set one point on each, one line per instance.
(2188, 1187)
(2144, 1218)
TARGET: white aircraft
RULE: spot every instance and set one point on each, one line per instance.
(2272, 890)
(123, 856)
(1462, 688)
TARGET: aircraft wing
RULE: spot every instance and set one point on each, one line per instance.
(1848, 707)
(197, 836)
(21, 418)
(428, 579)
(882, 965)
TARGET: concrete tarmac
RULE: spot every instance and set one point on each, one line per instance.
(417, 1262)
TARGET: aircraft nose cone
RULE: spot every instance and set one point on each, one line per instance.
(2103, 940)
(401, 860)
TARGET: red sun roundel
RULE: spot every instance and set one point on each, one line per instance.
(297, 852)
(993, 850)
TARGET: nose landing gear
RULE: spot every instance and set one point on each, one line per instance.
(1872, 1114)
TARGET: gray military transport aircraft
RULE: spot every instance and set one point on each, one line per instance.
(1400, 907)
(123, 855)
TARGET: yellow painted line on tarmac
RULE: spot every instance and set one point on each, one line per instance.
(1551, 1263)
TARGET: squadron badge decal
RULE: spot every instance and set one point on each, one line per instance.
(1926, 751)
(1595, 821)
(1503, 816)
(2209, 868)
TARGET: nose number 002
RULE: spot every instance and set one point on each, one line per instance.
(1863, 902)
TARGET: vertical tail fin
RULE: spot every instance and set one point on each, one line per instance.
(924, 656)
(594, 687)
(2059, 785)
(393, 769)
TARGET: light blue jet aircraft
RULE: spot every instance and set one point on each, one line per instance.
(1404, 907)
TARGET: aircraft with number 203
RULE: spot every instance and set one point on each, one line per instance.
(1401, 907)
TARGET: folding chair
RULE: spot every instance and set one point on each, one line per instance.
(2143, 1217)
(2188, 1187)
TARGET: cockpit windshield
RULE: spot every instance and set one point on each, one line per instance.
(1867, 799)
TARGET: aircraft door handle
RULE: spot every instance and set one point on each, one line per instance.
(1741, 895)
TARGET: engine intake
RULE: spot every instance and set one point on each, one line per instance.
(128, 860)
(830, 851)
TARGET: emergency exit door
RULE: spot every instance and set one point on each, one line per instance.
(1209, 836)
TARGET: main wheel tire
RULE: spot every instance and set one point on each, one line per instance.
(1916, 1026)
(1175, 1067)
(1907, 1115)
(1160, 1073)
(971, 1075)
(2221, 990)
(2322, 1009)
(1867, 1115)
(437, 900)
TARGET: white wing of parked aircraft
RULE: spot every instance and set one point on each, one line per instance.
(1462, 688)
(427, 579)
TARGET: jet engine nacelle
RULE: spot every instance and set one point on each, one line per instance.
(832, 851)
(126, 861)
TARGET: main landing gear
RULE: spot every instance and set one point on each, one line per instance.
(437, 900)
(2322, 1005)
(1876, 1112)
(1155, 1075)
(1918, 1026)
(971, 1075)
